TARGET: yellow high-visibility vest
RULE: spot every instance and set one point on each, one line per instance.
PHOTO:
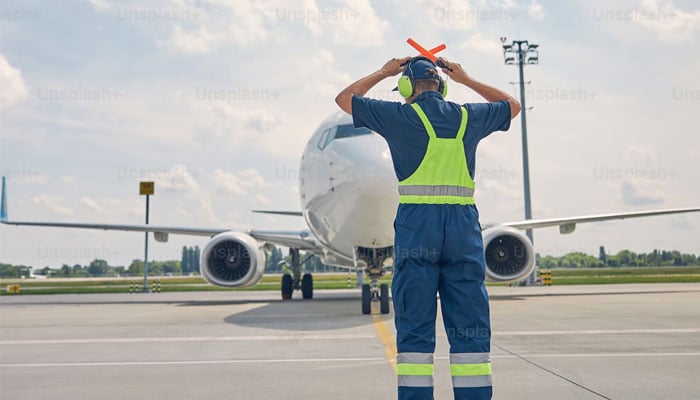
(442, 177)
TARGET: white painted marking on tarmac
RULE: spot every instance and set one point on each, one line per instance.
(190, 339)
(594, 355)
(597, 332)
(350, 336)
(344, 361)
(197, 362)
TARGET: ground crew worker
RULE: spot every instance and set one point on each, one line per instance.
(438, 246)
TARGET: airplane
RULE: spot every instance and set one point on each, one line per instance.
(348, 193)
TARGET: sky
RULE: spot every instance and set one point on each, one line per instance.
(214, 100)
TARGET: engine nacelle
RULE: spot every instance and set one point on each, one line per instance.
(509, 254)
(232, 259)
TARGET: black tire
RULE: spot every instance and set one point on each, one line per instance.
(287, 289)
(366, 300)
(307, 286)
(384, 298)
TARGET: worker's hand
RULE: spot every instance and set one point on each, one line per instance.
(393, 66)
(455, 71)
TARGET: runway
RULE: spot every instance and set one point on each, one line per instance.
(574, 342)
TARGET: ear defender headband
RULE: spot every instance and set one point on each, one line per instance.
(406, 84)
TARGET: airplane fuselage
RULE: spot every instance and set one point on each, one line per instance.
(348, 187)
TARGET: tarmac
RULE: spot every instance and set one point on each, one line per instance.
(639, 341)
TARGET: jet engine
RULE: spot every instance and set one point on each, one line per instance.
(509, 254)
(232, 259)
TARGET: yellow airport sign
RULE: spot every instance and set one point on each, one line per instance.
(146, 188)
(13, 288)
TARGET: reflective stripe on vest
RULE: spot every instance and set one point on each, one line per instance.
(440, 190)
(442, 176)
(470, 369)
(415, 369)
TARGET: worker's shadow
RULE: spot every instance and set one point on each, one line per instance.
(319, 314)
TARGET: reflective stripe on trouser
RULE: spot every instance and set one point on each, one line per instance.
(470, 370)
(415, 369)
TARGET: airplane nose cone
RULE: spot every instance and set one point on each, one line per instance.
(376, 195)
(365, 192)
(375, 167)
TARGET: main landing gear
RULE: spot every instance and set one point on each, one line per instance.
(295, 281)
(373, 291)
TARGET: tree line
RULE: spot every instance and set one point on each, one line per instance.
(187, 265)
(277, 262)
(624, 258)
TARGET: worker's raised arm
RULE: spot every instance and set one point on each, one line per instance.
(363, 85)
(490, 93)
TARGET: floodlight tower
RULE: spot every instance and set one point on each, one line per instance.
(519, 53)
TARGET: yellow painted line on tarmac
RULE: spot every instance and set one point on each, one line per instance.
(386, 338)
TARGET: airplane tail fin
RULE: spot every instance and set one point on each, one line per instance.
(289, 213)
(3, 205)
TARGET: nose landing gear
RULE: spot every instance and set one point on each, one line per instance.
(375, 292)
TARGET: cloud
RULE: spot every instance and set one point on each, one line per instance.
(179, 180)
(245, 23)
(13, 87)
(53, 203)
(642, 154)
(353, 22)
(483, 44)
(320, 75)
(536, 10)
(113, 208)
(100, 5)
(181, 140)
(358, 25)
(239, 184)
(90, 203)
(637, 193)
(259, 120)
(261, 200)
(669, 22)
(449, 14)
(195, 41)
(455, 15)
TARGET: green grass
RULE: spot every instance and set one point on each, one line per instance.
(339, 281)
(589, 276)
(167, 284)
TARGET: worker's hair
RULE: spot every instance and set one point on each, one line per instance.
(425, 85)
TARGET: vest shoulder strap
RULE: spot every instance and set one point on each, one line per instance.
(462, 124)
(429, 127)
(424, 120)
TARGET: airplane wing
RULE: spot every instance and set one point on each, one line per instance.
(303, 240)
(568, 225)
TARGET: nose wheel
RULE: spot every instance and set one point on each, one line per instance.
(295, 280)
(375, 293)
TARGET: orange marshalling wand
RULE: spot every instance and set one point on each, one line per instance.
(427, 53)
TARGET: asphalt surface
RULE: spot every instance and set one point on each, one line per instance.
(573, 342)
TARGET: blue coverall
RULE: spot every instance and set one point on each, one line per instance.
(438, 249)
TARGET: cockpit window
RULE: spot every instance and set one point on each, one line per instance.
(339, 132)
(322, 141)
(349, 130)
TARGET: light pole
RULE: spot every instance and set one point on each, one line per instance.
(519, 53)
(146, 189)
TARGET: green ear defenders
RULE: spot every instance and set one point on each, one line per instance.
(406, 86)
